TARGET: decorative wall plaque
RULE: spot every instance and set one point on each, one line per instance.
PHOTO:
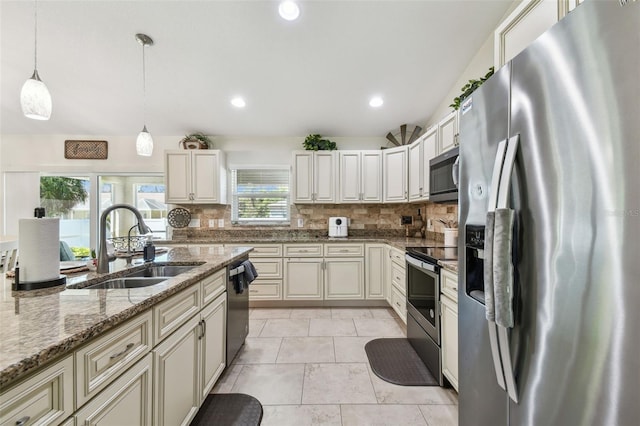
(85, 150)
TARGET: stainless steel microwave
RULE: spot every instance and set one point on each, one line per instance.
(443, 177)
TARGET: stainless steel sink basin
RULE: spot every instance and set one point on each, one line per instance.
(127, 282)
(162, 271)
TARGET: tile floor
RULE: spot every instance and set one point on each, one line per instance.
(307, 366)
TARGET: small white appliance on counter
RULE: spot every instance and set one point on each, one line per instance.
(338, 227)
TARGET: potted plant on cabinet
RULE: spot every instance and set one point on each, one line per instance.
(316, 143)
(196, 141)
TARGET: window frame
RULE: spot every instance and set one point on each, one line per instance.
(235, 220)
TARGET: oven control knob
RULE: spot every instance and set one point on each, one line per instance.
(431, 313)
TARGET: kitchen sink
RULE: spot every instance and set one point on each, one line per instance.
(162, 271)
(127, 282)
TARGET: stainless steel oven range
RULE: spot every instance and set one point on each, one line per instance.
(423, 303)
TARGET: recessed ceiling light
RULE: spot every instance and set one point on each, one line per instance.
(376, 102)
(289, 10)
(238, 102)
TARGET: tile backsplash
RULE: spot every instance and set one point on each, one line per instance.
(366, 220)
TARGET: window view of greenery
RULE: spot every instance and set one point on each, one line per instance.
(68, 199)
(260, 196)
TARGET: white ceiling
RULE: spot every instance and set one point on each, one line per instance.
(313, 75)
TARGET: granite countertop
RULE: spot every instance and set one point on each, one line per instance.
(42, 325)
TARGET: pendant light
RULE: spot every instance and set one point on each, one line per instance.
(35, 98)
(144, 142)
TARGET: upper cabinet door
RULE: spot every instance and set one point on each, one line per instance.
(350, 172)
(177, 168)
(448, 132)
(429, 151)
(206, 178)
(303, 177)
(395, 174)
(371, 177)
(416, 169)
(325, 177)
(526, 23)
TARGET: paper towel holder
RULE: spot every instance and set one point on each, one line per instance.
(36, 285)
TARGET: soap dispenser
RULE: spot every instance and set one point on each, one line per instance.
(149, 250)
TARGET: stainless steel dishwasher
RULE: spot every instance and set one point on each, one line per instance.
(237, 309)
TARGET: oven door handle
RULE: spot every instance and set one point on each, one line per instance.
(419, 264)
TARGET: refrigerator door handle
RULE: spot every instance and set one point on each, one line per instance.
(502, 201)
(488, 265)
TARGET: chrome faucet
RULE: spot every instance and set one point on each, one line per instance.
(103, 257)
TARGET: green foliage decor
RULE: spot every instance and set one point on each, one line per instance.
(59, 195)
(468, 89)
(198, 137)
(316, 143)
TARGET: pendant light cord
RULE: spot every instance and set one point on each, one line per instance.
(35, 49)
(144, 89)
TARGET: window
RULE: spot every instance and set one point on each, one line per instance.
(260, 196)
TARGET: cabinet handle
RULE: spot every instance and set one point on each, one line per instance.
(22, 421)
(121, 354)
(344, 251)
(253, 291)
(204, 329)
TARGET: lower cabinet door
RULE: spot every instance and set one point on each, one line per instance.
(344, 278)
(126, 401)
(177, 375)
(450, 340)
(303, 279)
(213, 343)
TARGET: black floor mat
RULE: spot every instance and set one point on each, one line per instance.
(227, 409)
(395, 361)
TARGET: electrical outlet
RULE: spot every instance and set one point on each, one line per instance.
(300, 222)
(406, 220)
(429, 225)
(220, 223)
(212, 223)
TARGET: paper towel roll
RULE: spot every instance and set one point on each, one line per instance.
(39, 249)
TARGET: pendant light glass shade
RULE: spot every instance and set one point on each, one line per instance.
(144, 143)
(35, 99)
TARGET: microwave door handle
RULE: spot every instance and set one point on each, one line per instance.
(455, 171)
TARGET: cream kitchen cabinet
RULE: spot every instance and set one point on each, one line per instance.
(314, 177)
(395, 169)
(195, 177)
(448, 132)
(398, 298)
(374, 277)
(303, 278)
(126, 401)
(267, 259)
(421, 152)
(449, 322)
(189, 361)
(360, 179)
(343, 271)
(45, 398)
(527, 22)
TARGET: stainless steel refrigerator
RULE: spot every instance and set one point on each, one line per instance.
(549, 294)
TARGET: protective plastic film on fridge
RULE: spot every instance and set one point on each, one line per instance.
(549, 302)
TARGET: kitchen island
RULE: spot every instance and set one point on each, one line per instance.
(41, 326)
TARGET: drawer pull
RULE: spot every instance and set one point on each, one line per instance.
(303, 251)
(398, 304)
(455, 288)
(22, 421)
(121, 354)
(344, 251)
(253, 291)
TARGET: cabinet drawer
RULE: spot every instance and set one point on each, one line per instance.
(213, 286)
(397, 257)
(398, 278)
(303, 250)
(107, 357)
(46, 398)
(268, 268)
(125, 401)
(449, 284)
(261, 250)
(175, 311)
(338, 250)
(266, 290)
(399, 304)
